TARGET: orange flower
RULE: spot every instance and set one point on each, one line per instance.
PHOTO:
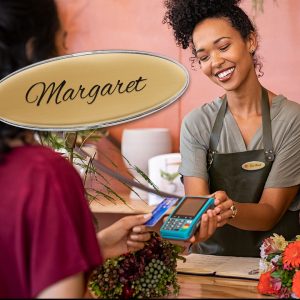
(265, 285)
(291, 255)
(296, 284)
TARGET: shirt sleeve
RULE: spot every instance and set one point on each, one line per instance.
(285, 170)
(62, 237)
(193, 150)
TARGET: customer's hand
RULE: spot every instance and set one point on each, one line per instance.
(223, 204)
(127, 234)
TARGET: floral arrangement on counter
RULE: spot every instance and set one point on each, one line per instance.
(280, 267)
(146, 273)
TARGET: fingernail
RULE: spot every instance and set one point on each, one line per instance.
(217, 210)
(136, 229)
(147, 216)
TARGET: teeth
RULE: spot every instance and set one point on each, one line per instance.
(225, 73)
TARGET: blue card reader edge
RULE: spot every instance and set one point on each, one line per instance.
(186, 234)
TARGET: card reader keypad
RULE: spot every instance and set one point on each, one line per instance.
(177, 224)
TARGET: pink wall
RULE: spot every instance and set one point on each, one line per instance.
(137, 24)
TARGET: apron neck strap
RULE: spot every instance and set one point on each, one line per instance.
(266, 125)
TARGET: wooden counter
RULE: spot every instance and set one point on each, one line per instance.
(193, 286)
(211, 287)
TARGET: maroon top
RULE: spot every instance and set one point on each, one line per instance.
(46, 228)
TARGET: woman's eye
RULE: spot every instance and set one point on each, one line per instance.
(204, 58)
(224, 48)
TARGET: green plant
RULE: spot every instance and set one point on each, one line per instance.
(169, 176)
(66, 143)
(147, 273)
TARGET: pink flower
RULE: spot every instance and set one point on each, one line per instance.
(268, 247)
(276, 284)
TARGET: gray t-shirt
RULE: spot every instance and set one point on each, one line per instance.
(285, 117)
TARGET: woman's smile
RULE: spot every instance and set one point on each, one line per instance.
(225, 74)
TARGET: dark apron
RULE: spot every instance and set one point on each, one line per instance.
(244, 186)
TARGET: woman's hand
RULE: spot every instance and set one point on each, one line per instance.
(127, 234)
(207, 227)
(223, 207)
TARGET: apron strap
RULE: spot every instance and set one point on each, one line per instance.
(266, 125)
(217, 128)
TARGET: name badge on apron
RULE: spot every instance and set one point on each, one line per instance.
(253, 165)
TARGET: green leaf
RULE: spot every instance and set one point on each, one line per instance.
(169, 176)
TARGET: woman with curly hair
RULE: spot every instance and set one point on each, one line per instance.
(47, 237)
(245, 145)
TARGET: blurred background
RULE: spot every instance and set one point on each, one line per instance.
(137, 25)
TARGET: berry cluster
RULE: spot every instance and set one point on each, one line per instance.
(147, 273)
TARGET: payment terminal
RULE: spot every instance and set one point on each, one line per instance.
(185, 219)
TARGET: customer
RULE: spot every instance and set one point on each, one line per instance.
(47, 238)
(245, 145)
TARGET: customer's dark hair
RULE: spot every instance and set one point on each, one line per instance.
(184, 15)
(23, 23)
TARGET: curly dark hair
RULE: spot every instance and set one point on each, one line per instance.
(184, 15)
(22, 21)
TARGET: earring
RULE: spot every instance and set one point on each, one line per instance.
(252, 51)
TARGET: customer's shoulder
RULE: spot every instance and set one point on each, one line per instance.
(42, 157)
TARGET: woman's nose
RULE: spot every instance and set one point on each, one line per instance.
(217, 60)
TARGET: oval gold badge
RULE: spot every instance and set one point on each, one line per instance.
(90, 90)
(253, 165)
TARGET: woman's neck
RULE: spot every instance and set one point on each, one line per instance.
(245, 101)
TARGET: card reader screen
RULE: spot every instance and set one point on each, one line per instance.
(190, 207)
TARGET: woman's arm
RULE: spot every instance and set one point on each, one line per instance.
(127, 234)
(261, 216)
(195, 186)
(70, 287)
(264, 215)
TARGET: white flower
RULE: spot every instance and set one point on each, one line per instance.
(263, 252)
(264, 266)
(275, 259)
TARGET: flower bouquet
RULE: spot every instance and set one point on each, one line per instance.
(280, 267)
(149, 272)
